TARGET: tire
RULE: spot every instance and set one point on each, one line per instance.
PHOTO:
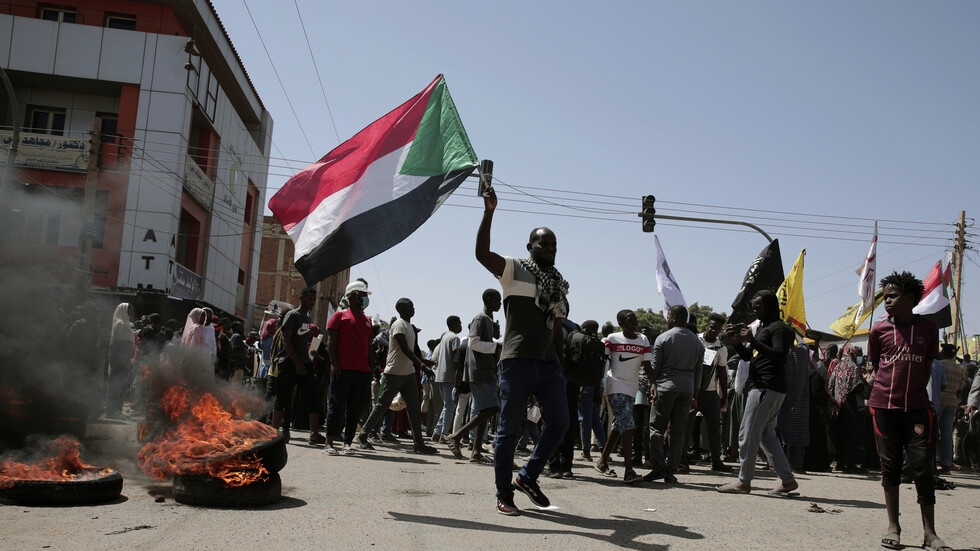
(272, 453)
(211, 492)
(68, 492)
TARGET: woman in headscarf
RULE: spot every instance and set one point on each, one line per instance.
(210, 337)
(122, 347)
(850, 393)
(193, 333)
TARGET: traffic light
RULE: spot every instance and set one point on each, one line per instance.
(648, 213)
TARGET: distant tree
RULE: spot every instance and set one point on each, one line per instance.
(655, 318)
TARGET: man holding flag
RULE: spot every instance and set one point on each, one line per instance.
(535, 304)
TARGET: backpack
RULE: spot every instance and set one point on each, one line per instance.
(585, 358)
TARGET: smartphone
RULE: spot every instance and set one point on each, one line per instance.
(486, 176)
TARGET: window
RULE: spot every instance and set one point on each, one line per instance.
(204, 144)
(59, 15)
(188, 241)
(45, 120)
(109, 125)
(125, 23)
(249, 204)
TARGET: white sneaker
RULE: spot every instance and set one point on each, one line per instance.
(348, 450)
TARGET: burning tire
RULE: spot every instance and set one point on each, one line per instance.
(212, 492)
(65, 492)
(271, 453)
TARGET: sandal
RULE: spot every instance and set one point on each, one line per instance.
(482, 460)
(331, 451)
(604, 469)
(734, 488)
(454, 448)
(936, 544)
(891, 540)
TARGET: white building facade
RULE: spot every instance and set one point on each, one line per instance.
(184, 157)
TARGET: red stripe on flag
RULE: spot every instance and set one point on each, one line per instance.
(933, 280)
(346, 163)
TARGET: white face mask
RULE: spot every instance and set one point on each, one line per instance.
(859, 360)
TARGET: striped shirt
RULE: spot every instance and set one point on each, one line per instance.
(527, 334)
(903, 354)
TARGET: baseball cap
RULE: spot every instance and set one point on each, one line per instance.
(358, 286)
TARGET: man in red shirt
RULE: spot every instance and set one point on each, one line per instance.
(349, 335)
(900, 351)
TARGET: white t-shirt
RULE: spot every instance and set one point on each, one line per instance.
(398, 363)
(625, 358)
(718, 357)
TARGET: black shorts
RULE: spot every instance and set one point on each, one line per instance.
(912, 431)
(287, 380)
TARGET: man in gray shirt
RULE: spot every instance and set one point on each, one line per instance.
(481, 373)
(446, 377)
(676, 376)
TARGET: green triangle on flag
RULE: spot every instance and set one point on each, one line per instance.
(440, 144)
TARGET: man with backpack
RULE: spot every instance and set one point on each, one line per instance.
(585, 358)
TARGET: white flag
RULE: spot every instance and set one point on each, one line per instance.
(866, 287)
(666, 284)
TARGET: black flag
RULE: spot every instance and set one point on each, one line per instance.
(766, 272)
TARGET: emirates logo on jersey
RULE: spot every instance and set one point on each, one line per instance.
(903, 354)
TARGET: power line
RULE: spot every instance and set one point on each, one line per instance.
(319, 79)
(258, 33)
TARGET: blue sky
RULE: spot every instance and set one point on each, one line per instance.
(827, 115)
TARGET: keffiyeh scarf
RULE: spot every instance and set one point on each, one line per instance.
(553, 286)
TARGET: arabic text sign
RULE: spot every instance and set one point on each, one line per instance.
(186, 284)
(198, 184)
(47, 152)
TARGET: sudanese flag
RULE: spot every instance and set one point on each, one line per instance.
(375, 189)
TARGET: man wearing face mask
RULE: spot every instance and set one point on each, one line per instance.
(349, 335)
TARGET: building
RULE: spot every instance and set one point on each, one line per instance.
(279, 280)
(180, 172)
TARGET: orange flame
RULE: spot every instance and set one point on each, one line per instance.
(63, 464)
(204, 438)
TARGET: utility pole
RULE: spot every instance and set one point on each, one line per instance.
(88, 208)
(958, 274)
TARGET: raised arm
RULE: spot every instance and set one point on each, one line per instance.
(490, 260)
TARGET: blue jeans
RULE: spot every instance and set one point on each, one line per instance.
(589, 420)
(947, 414)
(519, 379)
(445, 425)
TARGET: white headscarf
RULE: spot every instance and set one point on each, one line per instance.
(193, 329)
(121, 330)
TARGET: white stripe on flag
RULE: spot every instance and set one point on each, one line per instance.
(666, 284)
(866, 286)
(383, 185)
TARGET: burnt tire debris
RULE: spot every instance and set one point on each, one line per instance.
(202, 490)
(65, 492)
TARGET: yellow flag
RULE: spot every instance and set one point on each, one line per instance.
(845, 326)
(790, 295)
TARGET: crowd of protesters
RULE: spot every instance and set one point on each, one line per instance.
(703, 392)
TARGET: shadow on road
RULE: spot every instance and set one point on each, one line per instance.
(761, 492)
(407, 458)
(618, 530)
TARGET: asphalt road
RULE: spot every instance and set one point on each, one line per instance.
(392, 499)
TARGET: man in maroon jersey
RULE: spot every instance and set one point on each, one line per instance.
(900, 351)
